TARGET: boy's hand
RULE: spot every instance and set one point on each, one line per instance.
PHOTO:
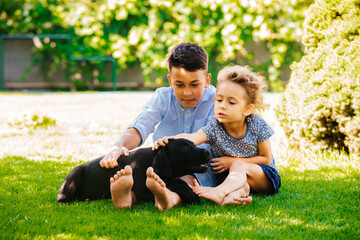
(221, 164)
(110, 159)
(160, 142)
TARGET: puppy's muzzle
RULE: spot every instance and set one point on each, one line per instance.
(204, 161)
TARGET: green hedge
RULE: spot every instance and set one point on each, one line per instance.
(141, 32)
(321, 105)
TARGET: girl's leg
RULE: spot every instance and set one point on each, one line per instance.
(234, 181)
(238, 197)
(240, 173)
(257, 179)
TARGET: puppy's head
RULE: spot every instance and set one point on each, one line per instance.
(180, 157)
(71, 188)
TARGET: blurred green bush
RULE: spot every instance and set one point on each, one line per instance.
(33, 121)
(141, 32)
(321, 104)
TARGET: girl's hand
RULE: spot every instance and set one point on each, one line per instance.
(160, 142)
(222, 164)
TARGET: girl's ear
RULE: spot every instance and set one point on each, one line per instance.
(249, 109)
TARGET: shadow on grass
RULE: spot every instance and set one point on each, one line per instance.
(322, 204)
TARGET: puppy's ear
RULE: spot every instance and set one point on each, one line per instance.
(71, 189)
(161, 164)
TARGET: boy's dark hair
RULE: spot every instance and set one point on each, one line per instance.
(190, 56)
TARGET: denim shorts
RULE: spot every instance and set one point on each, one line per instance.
(212, 179)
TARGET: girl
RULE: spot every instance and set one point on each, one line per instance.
(239, 140)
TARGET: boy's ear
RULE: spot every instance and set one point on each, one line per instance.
(169, 78)
(249, 109)
(208, 78)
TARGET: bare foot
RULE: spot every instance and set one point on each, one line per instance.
(164, 198)
(120, 187)
(237, 200)
(210, 193)
(236, 197)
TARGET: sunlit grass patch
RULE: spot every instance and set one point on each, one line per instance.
(321, 202)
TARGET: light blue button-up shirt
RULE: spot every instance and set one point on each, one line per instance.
(167, 117)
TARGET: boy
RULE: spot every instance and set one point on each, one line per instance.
(184, 107)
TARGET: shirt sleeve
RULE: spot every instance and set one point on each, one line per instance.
(209, 129)
(262, 128)
(150, 115)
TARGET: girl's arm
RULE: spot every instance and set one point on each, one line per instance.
(197, 138)
(264, 154)
(264, 157)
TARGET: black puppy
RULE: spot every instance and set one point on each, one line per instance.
(179, 157)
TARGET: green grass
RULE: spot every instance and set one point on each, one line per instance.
(319, 199)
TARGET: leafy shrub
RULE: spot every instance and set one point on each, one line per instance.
(141, 32)
(321, 105)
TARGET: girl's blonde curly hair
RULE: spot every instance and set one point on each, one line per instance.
(253, 83)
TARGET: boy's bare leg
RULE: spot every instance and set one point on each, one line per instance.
(189, 179)
(238, 197)
(234, 181)
(120, 187)
(164, 198)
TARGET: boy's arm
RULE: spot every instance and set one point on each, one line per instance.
(127, 141)
(137, 132)
(197, 138)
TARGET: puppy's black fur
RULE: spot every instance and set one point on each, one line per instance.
(179, 157)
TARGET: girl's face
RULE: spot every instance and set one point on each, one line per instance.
(188, 86)
(231, 103)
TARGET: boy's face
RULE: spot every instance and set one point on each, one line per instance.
(188, 86)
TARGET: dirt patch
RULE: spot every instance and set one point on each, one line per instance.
(87, 124)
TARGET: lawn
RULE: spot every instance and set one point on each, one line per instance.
(319, 197)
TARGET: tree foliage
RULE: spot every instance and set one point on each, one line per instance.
(142, 32)
(321, 105)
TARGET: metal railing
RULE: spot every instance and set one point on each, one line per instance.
(69, 55)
